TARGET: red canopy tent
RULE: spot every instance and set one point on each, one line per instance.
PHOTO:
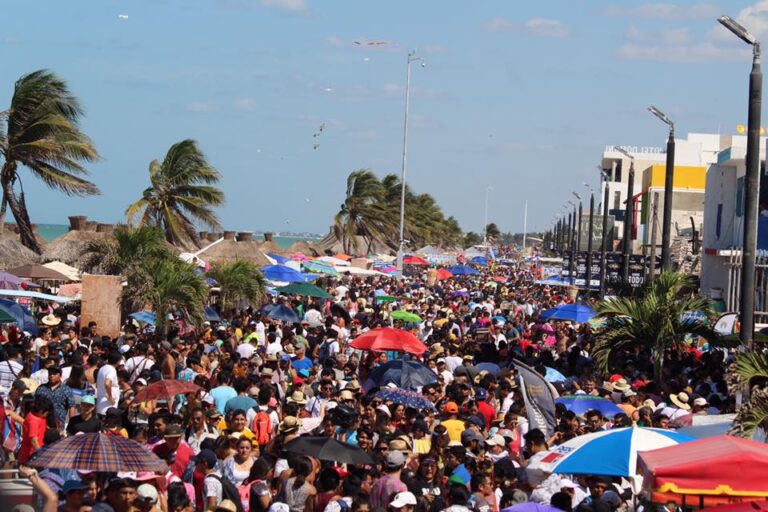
(725, 467)
(388, 338)
(443, 274)
(414, 260)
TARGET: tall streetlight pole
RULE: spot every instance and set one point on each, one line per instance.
(401, 246)
(629, 216)
(572, 243)
(485, 222)
(589, 235)
(578, 228)
(751, 184)
(669, 180)
(604, 244)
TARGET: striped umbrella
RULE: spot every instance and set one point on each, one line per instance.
(97, 452)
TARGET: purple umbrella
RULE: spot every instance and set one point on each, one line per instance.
(10, 281)
(531, 506)
(460, 293)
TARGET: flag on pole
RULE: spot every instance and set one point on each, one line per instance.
(539, 397)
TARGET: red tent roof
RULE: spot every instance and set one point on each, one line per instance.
(722, 465)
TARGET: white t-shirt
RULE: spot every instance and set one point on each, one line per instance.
(39, 342)
(102, 401)
(246, 350)
(274, 348)
(136, 365)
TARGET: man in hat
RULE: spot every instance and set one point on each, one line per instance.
(175, 451)
(301, 361)
(389, 483)
(73, 492)
(60, 395)
(212, 488)
(679, 406)
(86, 421)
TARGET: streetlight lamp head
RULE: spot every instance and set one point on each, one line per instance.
(423, 63)
(738, 30)
(577, 196)
(661, 115)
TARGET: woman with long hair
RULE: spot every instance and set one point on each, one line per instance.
(298, 491)
(262, 472)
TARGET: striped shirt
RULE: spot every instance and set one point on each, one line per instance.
(9, 372)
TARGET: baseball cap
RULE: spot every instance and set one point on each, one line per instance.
(481, 394)
(207, 456)
(700, 402)
(73, 485)
(165, 345)
(88, 399)
(402, 499)
(395, 459)
(495, 440)
(172, 430)
(147, 493)
(471, 435)
(451, 408)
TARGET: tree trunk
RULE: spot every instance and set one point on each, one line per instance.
(4, 207)
(19, 210)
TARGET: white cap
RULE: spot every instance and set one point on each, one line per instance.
(700, 402)
(279, 507)
(124, 349)
(383, 408)
(147, 492)
(495, 440)
(402, 499)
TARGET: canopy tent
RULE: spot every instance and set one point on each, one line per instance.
(34, 295)
(715, 466)
(357, 271)
(336, 262)
(59, 266)
(38, 273)
(570, 312)
(24, 318)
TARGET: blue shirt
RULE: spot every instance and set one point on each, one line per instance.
(240, 402)
(302, 364)
(221, 395)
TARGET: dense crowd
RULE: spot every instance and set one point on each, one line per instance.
(266, 383)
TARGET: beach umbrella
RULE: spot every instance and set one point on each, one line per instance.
(283, 274)
(459, 293)
(609, 452)
(6, 317)
(531, 506)
(9, 281)
(502, 320)
(385, 298)
(305, 290)
(165, 389)
(499, 279)
(415, 260)
(283, 313)
(382, 339)
(336, 262)
(329, 449)
(407, 398)
(24, 318)
(462, 270)
(443, 274)
(145, 317)
(320, 267)
(406, 316)
(278, 258)
(579, 404)
(571, 312)
(38, 273)
(97, 452)
(402, 373)
(297, 256)
(480, 260)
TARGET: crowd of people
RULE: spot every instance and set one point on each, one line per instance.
(265, 383)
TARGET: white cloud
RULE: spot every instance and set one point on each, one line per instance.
(679, 36)
(546, 28)
(665, 11)
(634, 33)
(541, 27)
(498, 25)
(288, 5)
(245, 104)
(365, 135)
(755, 19)
(703, 52)
(393, 89)
(200, 107)
(335, 41)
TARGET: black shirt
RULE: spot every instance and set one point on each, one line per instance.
(78, 424)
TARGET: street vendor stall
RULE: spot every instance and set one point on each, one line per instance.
(705, 473)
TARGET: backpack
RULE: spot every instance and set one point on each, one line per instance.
(228, 491)
(244, 492)
(262, 427)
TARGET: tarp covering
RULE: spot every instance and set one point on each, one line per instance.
(723, 465)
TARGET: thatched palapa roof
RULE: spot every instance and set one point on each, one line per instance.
(13, 253)
(303, 247)
(331, 245)
(234, 248)
(70, 247)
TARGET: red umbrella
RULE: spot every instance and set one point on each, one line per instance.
(414, 260)
(387, 338)
(165, 389)
(444, 274)
(499, 279)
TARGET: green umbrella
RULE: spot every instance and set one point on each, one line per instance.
(6, 317)
(305, 289)
(385, 298)
(405, 316)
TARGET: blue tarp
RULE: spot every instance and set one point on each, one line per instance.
(24, 318)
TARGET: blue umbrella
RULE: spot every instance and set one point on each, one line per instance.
(553, 375)
(460, 293)
(462, 270)
(211, 315)
(404, 374)
(283, 274)
(502, 320)
(571, 312)
(24, 318)
(284, 313)
(491, 368)
(279, 259)
(480, 260)
(579, 404)
(10, 281)
(145, 317)
(407, 398)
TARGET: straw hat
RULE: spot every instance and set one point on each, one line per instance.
(681, 400)
(289, 424)
(621, 385)
(51, 320)
(298, 398)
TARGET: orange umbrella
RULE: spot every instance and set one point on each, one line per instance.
(443, 274)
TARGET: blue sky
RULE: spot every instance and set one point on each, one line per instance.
(521, 96)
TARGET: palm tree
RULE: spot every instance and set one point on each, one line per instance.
(492, 232)
(182, 191)
(238, 281)
(471, 238)
(42, 134)
(167, 285)
(750, 369)
(655, 320)
(125, 249)
(364, 213)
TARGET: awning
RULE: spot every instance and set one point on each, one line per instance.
(34, 295)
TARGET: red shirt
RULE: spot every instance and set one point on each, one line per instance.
(488, 413)
(182, 456)
(33, 427)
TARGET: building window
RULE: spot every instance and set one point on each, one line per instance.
(617, 173)
(617, 200)
(719, 222)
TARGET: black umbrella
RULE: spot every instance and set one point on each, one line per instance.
(326, 448)
(405, 374)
